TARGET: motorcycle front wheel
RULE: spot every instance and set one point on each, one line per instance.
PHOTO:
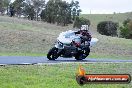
(52, 54)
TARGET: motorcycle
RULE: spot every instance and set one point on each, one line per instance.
(69, 44)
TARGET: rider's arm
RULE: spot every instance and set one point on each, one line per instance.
(77, 32)
(89, 36)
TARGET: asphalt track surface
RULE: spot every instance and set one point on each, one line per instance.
(24, 60)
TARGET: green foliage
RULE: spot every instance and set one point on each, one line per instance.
(81, 21)
(28, 8)
(1, 6)
(29, 12)
(75, 11)
(18, 5)
(126, 21)
(60, 12)
(54, 11)
(126, 29)
(38, 6)
(108, 28)
(4, 6)
(12, 10)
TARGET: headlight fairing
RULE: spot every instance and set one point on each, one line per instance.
(60, 44)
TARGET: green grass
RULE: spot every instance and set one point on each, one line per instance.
(21, 54)
(92, 55)
(112, 47)
(58, 76)
(19, 37)
(107, 56)
(16, 26)
(96, 18)
(24, 36)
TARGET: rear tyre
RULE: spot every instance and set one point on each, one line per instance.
(82, 54)
(52, 54)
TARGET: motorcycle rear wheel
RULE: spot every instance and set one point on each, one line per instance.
(82, 55)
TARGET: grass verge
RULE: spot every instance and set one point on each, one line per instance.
(21, 54)
(92, 55)
(59, 75)
(108, 56)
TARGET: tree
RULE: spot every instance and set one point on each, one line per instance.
(60, 12)
(64, 13)
(126, 29)
(28, 10)
(108, 28)
(18, 5)
(38, 7)
(49, 10)
(81, 21)
(125, 22)
(11, 10)
(75, 11)
(43, 15)
(1, 7)
(6, 5)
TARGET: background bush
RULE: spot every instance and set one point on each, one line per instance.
(108, 28)
(81, 21)
(126, 29)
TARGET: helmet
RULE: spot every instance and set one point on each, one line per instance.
(84, 27)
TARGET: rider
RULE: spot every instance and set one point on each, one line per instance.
(85, 35)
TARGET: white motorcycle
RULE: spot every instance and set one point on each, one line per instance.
(65, 46)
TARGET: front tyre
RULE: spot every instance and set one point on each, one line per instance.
(52, 54)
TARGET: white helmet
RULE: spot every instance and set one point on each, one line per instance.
(84, 27)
